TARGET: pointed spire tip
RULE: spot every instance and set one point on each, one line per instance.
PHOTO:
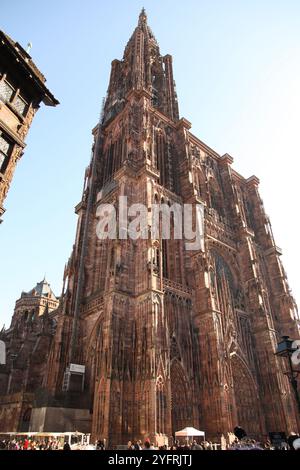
(143, 16)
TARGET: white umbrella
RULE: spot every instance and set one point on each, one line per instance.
(189, 432)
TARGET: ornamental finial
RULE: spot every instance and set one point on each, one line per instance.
(142, 17)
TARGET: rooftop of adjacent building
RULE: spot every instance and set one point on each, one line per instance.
(41, 289)
(25, 61)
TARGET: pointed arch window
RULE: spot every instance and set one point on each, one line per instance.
(161, 405)
(180, 399)
(165, 258)
(224, 286)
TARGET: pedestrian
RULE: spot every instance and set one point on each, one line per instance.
(136, 446)
(26, 444)
(196, 446)
(130, 445)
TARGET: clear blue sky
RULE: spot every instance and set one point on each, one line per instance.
(236, 65)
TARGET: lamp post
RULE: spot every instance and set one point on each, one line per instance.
(285, 349)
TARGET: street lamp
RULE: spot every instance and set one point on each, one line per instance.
(285, 349)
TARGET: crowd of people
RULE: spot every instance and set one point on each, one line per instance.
(28, 444)
(177, 445)
(292, 443)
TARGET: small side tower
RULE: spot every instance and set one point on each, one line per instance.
(27, 344)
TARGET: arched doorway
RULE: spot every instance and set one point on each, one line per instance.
(180, 400)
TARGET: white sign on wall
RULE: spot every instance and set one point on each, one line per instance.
(77, 368)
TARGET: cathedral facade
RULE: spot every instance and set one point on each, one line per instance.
(151, 337)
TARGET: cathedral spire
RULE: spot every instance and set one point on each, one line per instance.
(142, 17)
(142, 68)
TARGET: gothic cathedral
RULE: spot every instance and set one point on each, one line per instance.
(151, 337)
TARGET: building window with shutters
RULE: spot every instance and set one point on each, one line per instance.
(6, 146)
(9, 95)
(20, 105)
(6, 91)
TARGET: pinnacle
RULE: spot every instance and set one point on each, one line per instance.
(142, 17)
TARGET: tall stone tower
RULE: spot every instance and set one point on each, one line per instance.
(22, 88)
(167, 337)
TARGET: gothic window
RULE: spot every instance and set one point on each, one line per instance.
(249, 213)
(155, 259)
(161, 405)
(6, 147)
(174, 350)
(216, 200)
(156, 85)
(6, 91)
(222, 269)
(245, 338)
(165, 258)
(246, 399)
(160, 157)
(225, 289)
(110, 161)
(165, 159)
(245, 207)
(239, 300)
(212, 277)
(181, 406)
